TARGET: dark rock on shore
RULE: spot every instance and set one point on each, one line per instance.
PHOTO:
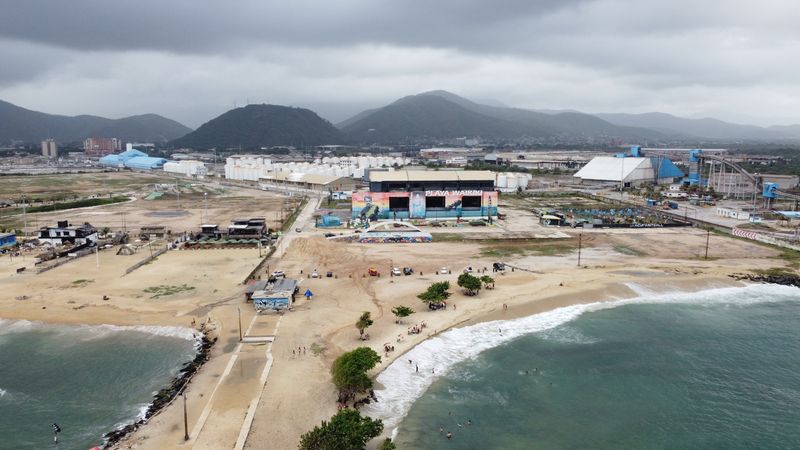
(782, 279)
(166, 395)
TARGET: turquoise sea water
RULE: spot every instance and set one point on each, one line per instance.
(716, 369)
(88, 379)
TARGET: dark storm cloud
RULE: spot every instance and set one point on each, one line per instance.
(199, 27)
(194, 59)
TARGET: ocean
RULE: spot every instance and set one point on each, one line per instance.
(88, 379)
(713, 369)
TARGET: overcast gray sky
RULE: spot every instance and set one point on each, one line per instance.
(191, 60)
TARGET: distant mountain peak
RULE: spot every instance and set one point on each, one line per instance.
(18, 123)
(262, 125)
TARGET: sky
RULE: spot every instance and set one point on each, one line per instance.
(191, 60)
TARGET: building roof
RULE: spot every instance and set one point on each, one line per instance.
(610, 168)
(432, 175)
(279, 285)
(297, 177)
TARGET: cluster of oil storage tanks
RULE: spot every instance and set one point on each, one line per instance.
(254, 167)
(510, 181)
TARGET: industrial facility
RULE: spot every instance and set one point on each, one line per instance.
(631, 169)
(187, 167)
(255, 168)
(406, 194)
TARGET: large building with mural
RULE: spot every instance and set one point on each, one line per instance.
(420, 194)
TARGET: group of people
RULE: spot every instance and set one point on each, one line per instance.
(449, 433)
(416, 329)
(388, 348)
(301, 350)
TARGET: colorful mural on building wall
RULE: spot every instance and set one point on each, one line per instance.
(375, 205)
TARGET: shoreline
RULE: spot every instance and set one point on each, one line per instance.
(164, 397)
(204, 342)
(535, 308)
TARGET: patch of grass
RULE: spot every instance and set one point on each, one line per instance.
(532, 247)
(317, 349)
(628, 251)
(78, 204)
(792, 257)
(80, 283)
(774, 271)
(167, 289)
(448, 237)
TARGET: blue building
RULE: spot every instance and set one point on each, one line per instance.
(133, 159)
(8, 240)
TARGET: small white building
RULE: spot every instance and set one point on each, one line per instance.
(733, 213)
(187, 167)
(63, 233)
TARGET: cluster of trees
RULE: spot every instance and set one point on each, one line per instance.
(436, 294)
(472, 284)
(346, 430)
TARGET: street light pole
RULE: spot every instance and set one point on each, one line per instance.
(185, 418)
(580, 239)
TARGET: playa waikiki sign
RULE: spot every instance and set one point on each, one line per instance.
(452, 193)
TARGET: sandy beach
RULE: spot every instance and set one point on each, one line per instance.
(266, 395)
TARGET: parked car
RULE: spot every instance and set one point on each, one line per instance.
(278, 274)
(315, 274)
(407, 270)
(444, 271)
(329, 235)
(373, 272)
(329, 274)
(396, 271)
(468, 270)
(498, 267)
(298, 229)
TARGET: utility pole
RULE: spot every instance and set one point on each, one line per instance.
(185, 417)
(580, 241)
(708, 235)
(24, 216)
(240, 323)
(205, 204)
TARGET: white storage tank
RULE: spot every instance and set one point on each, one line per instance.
(522, 181)
(502, 181)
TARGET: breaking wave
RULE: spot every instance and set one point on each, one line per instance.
(437, 356)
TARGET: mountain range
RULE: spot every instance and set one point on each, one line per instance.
(441, 115)
(422, 118)
(20, 124)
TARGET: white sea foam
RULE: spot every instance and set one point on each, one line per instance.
(3, 392)
(9, 326)
(403, 385)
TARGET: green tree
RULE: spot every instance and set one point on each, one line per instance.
(349, 372)
(346, 430)
(363, 323)
(387, 444)
(436, 293)
(487, 281)
(400, 312)
(471, 284)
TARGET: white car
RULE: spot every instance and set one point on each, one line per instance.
(468, 269)
(396, 271)
(278, 274)
(315, 274)
(444, 270)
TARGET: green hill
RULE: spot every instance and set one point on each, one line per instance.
(441, 114)
(255, 126)
(17, 123)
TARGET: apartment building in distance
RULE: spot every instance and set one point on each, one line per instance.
(98, 146)
(49, 148)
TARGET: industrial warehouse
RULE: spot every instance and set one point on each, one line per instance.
(412, 194)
